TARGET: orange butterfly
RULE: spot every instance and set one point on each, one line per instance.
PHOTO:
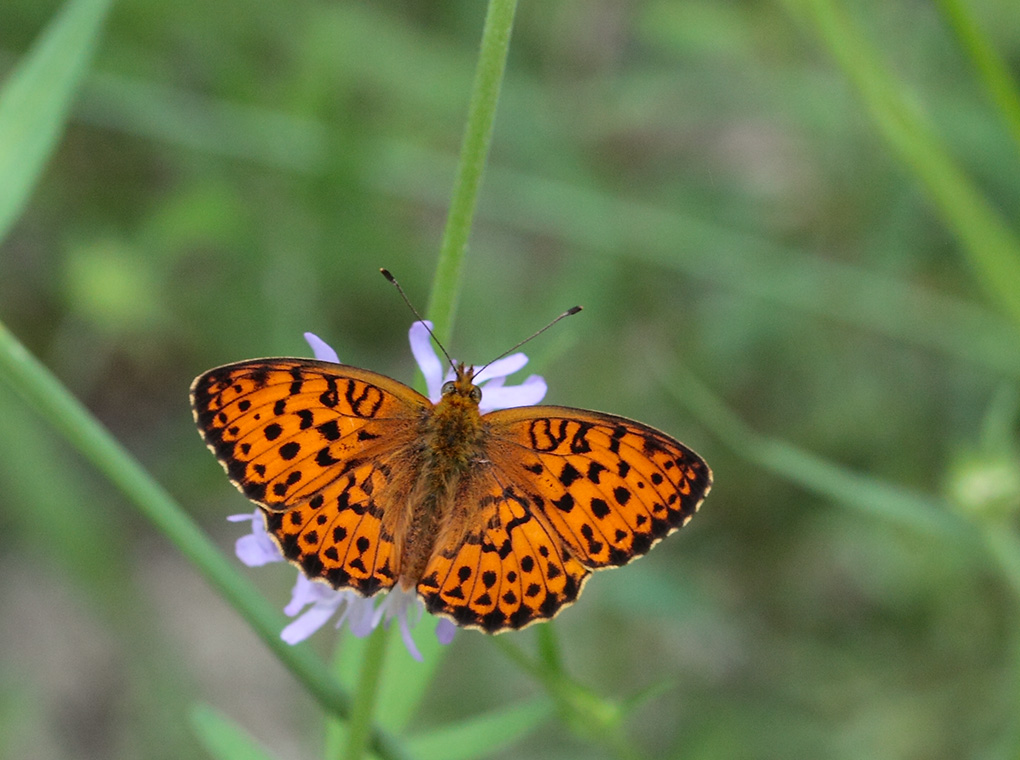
(496, 520)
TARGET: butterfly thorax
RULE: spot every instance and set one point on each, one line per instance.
(454, 426)
(451, 439)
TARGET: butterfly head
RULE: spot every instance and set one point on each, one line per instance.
(462, 389)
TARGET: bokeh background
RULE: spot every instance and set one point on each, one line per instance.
(762, 275)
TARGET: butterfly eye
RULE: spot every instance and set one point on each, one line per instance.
(476, 393)
(449, 387)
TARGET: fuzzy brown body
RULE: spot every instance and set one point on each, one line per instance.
(450, 443)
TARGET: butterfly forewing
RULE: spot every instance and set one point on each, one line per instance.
(320, 447)
(283, 428)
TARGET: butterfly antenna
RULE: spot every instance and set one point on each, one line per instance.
(567, 313)
(386, 273)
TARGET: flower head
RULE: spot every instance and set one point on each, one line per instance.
(313, 603)
(495, 395)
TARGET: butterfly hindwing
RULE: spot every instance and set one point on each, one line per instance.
(341, 534)
(506, 574)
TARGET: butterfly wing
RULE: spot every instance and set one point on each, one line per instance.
(562, 491)
(508, 571)
(322, 448)
(610, 487)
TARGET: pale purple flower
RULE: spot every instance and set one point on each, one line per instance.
(314, 603)
(495, 395)
(257, 548)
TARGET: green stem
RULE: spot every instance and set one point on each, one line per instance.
(474, 150)
(549, 647)
(44, 392)
(336, 727)
(993, 71)
(359, 727)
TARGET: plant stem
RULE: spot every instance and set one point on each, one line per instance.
(588, 715)
(359, 727)
(474, 150)
(447, 280)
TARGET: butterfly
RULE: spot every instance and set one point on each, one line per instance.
(497, 520)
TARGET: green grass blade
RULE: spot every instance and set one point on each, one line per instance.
(992, 70)
(223, 738)
(36, 100)
(858, 491)
(991, 247)
(482, 735)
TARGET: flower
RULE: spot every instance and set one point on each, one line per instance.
(495, 395)
(363, 615)
(257, 548)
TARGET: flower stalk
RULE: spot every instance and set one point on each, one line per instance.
(473, 153)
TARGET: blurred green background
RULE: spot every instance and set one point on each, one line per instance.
(705, 180)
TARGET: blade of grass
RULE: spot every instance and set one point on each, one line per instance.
(992, 70)
(482, 735)
(222, 737)
(36, 100)
(991, 247)
(858, 491)
(41, 390)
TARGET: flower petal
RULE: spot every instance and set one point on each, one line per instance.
(429, 363)
(308, 623)
(254, 551)
(307, 592)
(321, 349)
(502, 367)
(445, 631)
(257, 548)
(360, 614)
(405, 634)
(528, 393)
